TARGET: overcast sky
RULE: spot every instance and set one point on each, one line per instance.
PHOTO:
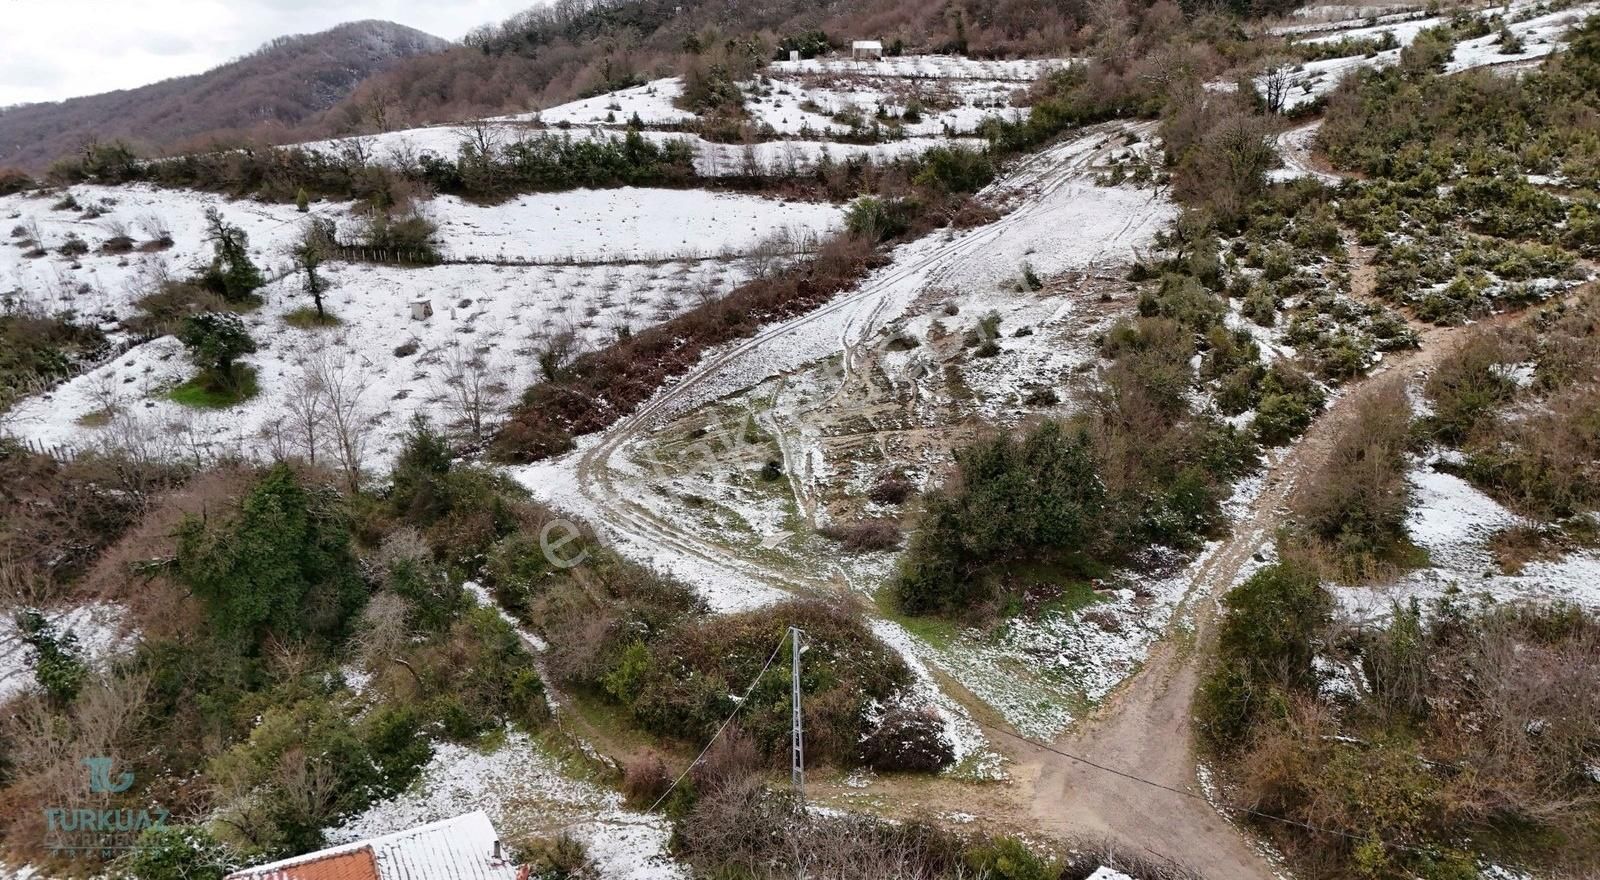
(54, 49)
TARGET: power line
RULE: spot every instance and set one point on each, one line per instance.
(724, 726)
(1189, 794)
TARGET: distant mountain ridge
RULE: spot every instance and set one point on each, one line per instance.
(285, 82)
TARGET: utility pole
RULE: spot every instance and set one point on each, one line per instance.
(797, 770)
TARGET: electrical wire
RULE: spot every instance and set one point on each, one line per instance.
(1189, 794)
(724, 726)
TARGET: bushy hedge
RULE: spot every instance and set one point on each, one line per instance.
(1266, 642)
(1036, 496)
(280, 565)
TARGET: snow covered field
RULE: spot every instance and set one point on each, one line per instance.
(1540, 32)
(808, 105)
(744, 543)
(597, 262)
(1453, 521)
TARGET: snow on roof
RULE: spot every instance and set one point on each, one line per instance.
(866, 44)
(462, 848)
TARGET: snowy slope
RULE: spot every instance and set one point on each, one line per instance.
(1541, 34)
(796, 99)
(589, 262)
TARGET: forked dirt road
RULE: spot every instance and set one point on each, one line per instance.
(1145, 728)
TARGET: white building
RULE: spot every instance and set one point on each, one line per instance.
(865, 50)
(464, 848)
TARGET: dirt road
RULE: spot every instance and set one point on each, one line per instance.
(1145, 728)
(842, 327)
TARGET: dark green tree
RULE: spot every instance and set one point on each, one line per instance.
(231, 275)
(215, 340)
(1037, 498)
(282, 564)
(176, 852)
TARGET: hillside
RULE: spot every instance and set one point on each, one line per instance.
(554, 53)
(283, 83)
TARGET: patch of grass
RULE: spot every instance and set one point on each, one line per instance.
(1073, 596)
(306, 318)
(97, 419)
(209, 391)
(940, 633)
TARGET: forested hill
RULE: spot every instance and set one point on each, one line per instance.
(284, 83)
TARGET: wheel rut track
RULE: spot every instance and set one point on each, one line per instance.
(1144, 728)
(1039, 177)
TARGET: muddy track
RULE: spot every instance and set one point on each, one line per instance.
(865, 311)
(1144, 729)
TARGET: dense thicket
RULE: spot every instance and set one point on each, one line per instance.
(1449, 732)
(299, 650)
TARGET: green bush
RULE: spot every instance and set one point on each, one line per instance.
(1030, 498)
(697, 670)
(394, 740)
(176, 852)
(215, 340)
(55, 657)
(434, 599)
(1266, 643)
(516, 570)
(280, 564)
(1183, 299)
(482, 678)
(1289, 400)
(307, 738)
(877, 219)
(1007, 858)
(955, 170)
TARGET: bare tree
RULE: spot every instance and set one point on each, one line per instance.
(481, 137)
(306, 411)
(105, 391)
(343, 384)
(1275, 80)
(470, 389)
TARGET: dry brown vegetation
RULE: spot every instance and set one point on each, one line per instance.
(1353, 508)
(56, 517)
(1523, 404)
(601, 386)
(1464, 724)
(735, 825)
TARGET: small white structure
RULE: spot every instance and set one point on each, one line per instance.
(866, 50)
(794, 54)
(421, 309)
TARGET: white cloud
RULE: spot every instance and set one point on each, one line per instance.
(54, 49)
